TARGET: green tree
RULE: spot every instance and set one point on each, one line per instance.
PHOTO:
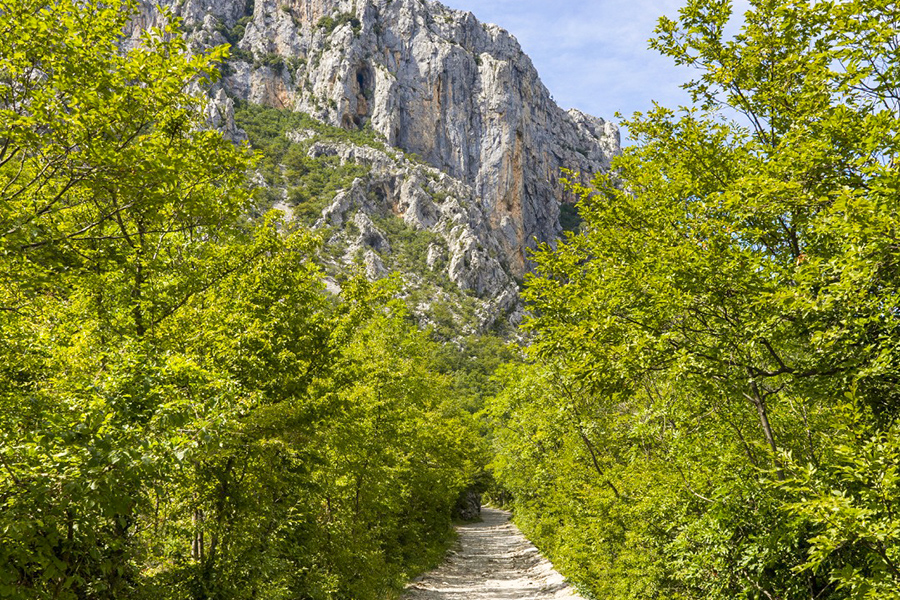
(114, 198)
(734, 280)
(184, 411)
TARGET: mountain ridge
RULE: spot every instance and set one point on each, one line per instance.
(431, 81)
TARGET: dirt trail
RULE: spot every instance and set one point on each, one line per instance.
(493, 561)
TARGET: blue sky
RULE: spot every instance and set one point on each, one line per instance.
(592, 54)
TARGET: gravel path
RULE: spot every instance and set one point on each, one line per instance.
(493, 561)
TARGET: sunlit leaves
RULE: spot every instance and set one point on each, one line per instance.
(735, 276)
(184, 411)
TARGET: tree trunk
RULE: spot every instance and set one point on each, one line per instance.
(757, 399)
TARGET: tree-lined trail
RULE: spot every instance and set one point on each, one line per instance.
(493, 561)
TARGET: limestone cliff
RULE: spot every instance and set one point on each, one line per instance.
(432, 81)
(389, 213)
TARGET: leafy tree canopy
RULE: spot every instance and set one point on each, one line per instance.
(184, 411)
(717, 351)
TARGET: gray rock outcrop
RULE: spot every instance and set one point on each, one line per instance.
(464, 246)
(435, 82)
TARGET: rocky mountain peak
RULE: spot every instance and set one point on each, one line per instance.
(434, 82)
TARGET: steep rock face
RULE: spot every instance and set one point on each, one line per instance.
(433, 81)
(463, 246)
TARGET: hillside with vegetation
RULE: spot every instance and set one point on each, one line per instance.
(711, 409)
(384, 213)
(253, 353)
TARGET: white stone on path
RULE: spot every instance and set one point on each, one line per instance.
(493, 561)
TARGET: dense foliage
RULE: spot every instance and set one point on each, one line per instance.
(712, 406)
(184, 411)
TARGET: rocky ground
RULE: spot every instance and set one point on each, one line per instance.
(493, 561)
